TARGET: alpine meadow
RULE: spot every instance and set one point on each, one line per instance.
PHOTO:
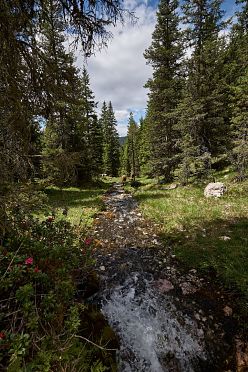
(124, 185)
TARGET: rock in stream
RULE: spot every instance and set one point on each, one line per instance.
(167, 319)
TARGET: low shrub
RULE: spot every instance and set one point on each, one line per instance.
(40, 316)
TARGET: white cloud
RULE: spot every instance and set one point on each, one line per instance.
(121, 114)
(118, 74)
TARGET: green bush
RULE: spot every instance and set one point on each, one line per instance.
(40, 264)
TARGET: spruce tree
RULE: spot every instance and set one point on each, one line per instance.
(238, 79)
(203, 120)
(61, 80)
(124, 160)
(25, 93)
(93, 129)
(111, 145)
(144, 147)
(73, 138)
(133, 147)
(239, 126)
(164, 55)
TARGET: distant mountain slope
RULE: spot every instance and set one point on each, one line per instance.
(122, 140)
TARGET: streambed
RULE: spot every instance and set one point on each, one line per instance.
(166, 318)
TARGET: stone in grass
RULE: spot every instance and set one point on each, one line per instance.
(215, 189)
(225, 238)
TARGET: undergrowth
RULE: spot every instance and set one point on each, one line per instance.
(45, 325)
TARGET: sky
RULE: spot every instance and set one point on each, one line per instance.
(119, 72)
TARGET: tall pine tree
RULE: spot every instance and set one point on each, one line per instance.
(238, 67)
(111, 145)
(133, 147)
(144, 148)
(203, 117)
(164, 55)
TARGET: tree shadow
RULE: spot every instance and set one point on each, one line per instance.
(74, 198)
(220, 244)
(150, 195)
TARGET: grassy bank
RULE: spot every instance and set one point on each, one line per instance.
(82, 204)
(203, 233)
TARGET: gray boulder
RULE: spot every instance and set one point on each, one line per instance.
(215, 189)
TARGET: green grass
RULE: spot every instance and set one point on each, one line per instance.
(195, 226)
(82, 203)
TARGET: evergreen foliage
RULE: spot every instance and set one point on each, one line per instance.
(144, 148)
(202, 112)
(28, 72)
(111, 145)
(72, 147)
(164, 55)
(239, 122)
(237, 78)
(132, 151)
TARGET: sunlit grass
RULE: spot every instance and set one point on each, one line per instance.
(82, 204)
(203, 232)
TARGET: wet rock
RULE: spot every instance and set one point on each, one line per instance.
(197, 316)
(193, 271)
(228, 311)
(241, 355)
(164, 285)
(153, 307)
(188, 288)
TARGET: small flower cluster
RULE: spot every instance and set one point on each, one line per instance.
(30, 261)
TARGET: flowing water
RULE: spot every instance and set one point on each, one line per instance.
(160, 328)
(154, 335)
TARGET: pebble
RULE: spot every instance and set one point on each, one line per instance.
(197, 316)
(102, 268)
(228, 311)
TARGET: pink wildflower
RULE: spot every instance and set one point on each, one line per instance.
(88, 241)
(36, 270)
(2, 335)
(29, 261)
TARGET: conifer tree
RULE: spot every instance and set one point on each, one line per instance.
(144, 147)
(124, 159)
(164, 55)
(60, 84)
(239, 126)
(133, 147)
(203, 118)
(93, 129)
(238, 79)
(111, 146)
(73, 138)
(25, 92)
